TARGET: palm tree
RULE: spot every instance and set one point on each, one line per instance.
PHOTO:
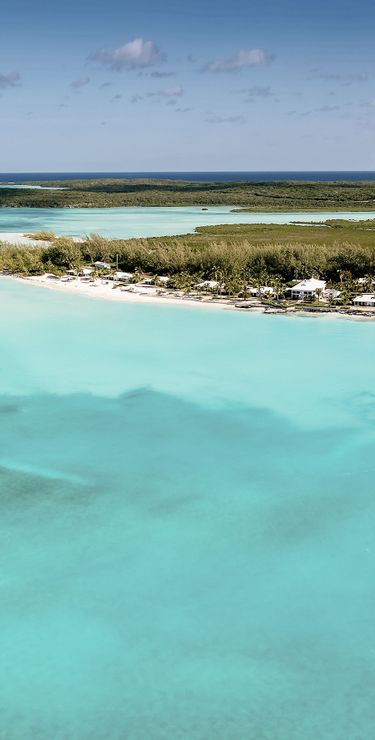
(318, 294)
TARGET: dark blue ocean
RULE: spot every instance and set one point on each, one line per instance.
(318, 176)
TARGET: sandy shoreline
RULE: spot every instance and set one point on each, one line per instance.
(108, 293)
(18, 239)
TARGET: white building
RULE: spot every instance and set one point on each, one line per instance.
(263, 290)
(332, 294)
(123, 275)
(209, 285)
(102, 265)
(366, 299)
(307, 289)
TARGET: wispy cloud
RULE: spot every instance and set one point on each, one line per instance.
(11, 79)
(158, 75)
(258, 93)
(243, 58)
(136, 98)
(77, 84)
(132, 55)
(343, 78)
(169, 92)
(327, 108)
(182, 110)
(226, 119)
(321, 109)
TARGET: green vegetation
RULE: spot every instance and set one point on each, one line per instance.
(235, 256)
(249, 196)
(42, 236)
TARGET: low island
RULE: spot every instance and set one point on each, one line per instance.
(325, 267)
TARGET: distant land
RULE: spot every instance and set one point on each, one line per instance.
(309, 175)
(250, 195)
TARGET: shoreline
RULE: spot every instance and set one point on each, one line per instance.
(109, 293)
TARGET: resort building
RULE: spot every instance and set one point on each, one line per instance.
(102, 265)
(366, 299)
(209, 285)
(331, 294)
(307, 289)
(263, 290)
(123, 275)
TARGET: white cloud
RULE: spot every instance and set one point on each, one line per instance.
(243, 58)
(9, 80)
(133, 55)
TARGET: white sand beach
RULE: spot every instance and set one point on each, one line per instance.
(105, 290)
(20, 240)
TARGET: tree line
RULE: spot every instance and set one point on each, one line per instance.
(235, 257)
(271, 196)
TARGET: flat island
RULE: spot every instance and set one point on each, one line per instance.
(251, 196)
(324, 267)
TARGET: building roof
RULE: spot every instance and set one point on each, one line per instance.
(309, 285)
(332, 293)
(365, 298)
(102, 264)
(126, 275)
(208, 284)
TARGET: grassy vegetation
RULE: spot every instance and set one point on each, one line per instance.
(249, 196)
(235, 256)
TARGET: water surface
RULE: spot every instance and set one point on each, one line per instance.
(146, 221)
(187, 519)
(237, 176)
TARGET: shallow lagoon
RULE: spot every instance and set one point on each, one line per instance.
(187, 519)
(143, 222)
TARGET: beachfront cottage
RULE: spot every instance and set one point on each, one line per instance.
(331, 294)
(263, 290)
(102, 265)
(209, 285)
(366, 299)
(307, 289)
(123, 275)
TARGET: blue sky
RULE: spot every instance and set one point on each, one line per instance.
(157, 85)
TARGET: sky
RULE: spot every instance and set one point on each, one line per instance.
(157, 85)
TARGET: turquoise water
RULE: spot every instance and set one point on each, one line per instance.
(187, 522)
(11, 185)
(143, 222)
